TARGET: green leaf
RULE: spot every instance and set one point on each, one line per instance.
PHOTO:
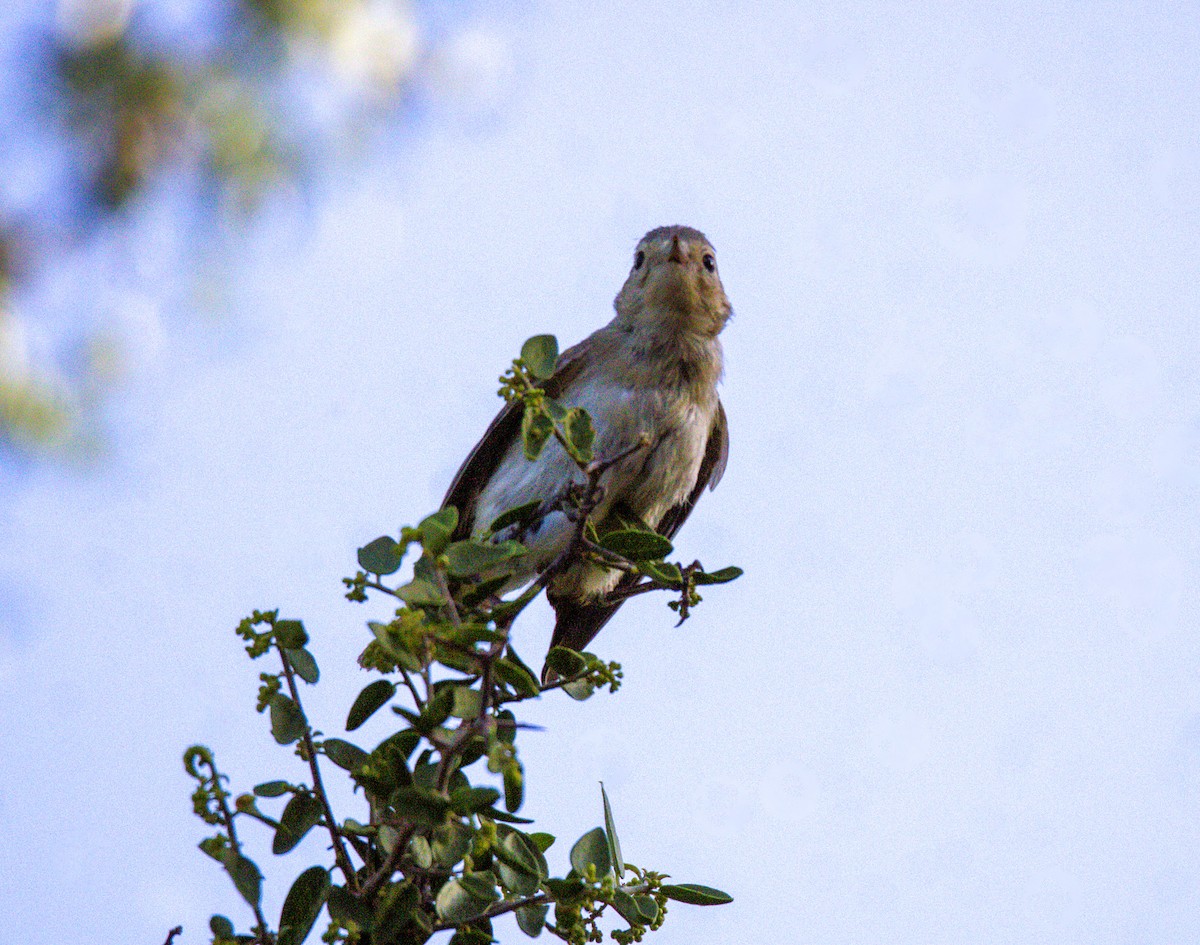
(696, 895)
(540, 354)
(345, 907)
(373, 697)
(343, 754)
(381, 556)
(520, 866)
(543, 841)
(610, 828)
(647, 907)
(456, 903)
(470, 558)
(437, 528)
(221, 927)
(272, 788)
(419, 850)
(591, 848)
(579, 432)
(389, 836)
(662, 571)
(514, 786)
(290, 634)
(481, 885)
(519, 515)
(246, 877)
(419, 804)
(302, 813)
(531, 919)
(580, 689)
(636, 545)
(724, 576)
(420, 593)
(627, 906)
(287, 721)
(518, 677)
(303, 663)
(471, 800)
(536, 430)
(449, 843)
(467, 703)
(564, 661)
(303, 905)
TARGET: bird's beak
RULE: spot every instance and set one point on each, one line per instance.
(676, 255)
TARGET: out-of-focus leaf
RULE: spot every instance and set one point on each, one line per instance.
(662, 571)
(626, 906)
(647, 907)
(373, 697)
(272, 788)
(221, 927)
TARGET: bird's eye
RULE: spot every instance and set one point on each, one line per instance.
(709, 263)
(639, 259)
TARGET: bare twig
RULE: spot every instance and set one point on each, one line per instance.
(178, 930)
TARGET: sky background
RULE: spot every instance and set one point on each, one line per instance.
(956, 696)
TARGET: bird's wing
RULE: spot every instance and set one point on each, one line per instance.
(485, 458)
(578, 623)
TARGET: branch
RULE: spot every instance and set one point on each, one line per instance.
(339, 848)
(178, 930)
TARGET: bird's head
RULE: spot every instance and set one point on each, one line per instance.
(674, 285)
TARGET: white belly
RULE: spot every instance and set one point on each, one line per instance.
(649, 481)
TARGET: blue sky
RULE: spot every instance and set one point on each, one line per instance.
(954, 699)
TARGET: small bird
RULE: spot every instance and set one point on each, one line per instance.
(650, 375)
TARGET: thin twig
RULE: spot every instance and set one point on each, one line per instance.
(227, 814)
(339, 848)
(413, 689)
(178, 930)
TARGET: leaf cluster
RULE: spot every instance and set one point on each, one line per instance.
(439, 843)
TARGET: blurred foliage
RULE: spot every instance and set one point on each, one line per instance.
(273, 94)
(437, 845)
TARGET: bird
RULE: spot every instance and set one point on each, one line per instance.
(647, 377)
